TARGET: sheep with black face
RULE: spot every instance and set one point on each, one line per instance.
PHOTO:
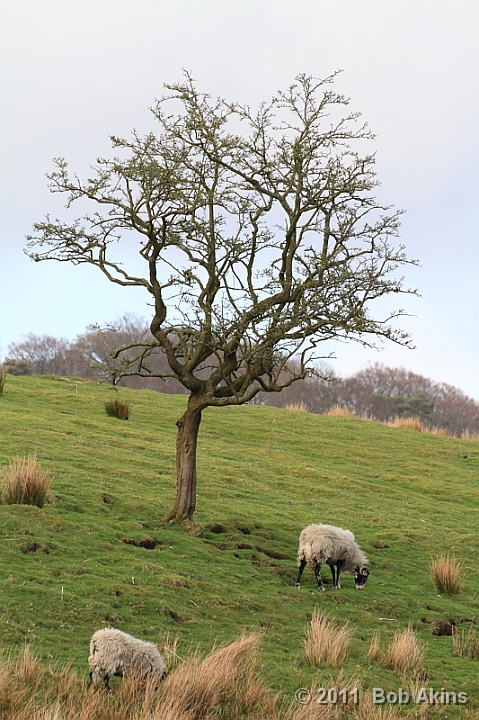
(329, 545)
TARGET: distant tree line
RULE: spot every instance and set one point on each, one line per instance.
(89, 355)
(383, 393)
(378, 392)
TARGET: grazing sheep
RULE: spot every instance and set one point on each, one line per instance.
(114, 652)
(326, 544)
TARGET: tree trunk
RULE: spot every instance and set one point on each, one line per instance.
(186, 442)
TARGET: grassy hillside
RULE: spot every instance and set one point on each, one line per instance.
(264, 474)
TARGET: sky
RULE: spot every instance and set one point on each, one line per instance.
(74, 72)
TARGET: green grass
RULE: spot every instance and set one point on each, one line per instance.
(263, 474)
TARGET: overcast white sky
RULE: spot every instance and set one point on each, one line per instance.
(74, 72)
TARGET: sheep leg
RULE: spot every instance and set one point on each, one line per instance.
(300, 572)
(335, 576)
(337, 583)
(317, 573)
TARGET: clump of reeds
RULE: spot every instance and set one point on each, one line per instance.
(405, 652)
(300, 406)
(340, 410)
(446, 575)
(3, 377)
(466, 645)
(326, 643)
(410, 423)
(26, 483)
(118, 409)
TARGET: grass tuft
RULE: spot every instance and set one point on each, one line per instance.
(340, 411)
(118, 409)
(443, 432)
(446, 575)
(466, 645)
(405, 652)
(410, 423)
(26, 483)
(299, 406)
(326, 643)
(374, 646)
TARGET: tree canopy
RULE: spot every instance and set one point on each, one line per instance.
(260, 236)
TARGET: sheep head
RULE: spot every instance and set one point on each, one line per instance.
(360, 575)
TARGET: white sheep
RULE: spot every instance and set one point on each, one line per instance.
(114, 652)
(333, 546)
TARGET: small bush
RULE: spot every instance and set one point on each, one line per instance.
(410, 423)
(326, 644)
(118, 409)
(300, 406)
(446, 575)
(3, 377)
(26, 483)
(404, 653)
(341, 411)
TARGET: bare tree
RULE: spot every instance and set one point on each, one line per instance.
(41, 354)
(260, 236)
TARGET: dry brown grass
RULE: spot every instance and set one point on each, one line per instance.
(26, 483)
(374, 646)
(326, 643)
(446, 575)
(439, 431)
(225, 684)
(410, 423)
(405, 652)
(466, 435)
(118, 409)
(300, 406)
(343, 693)
(466, 645)
(341, 411)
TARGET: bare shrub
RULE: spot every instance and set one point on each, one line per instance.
(410, 423)
(466, 645)
(340, 410)
(3, 377)
(118, 409)
(26, 483)
(446, 575)
(326, 643)
(405, 652)
(300, 406)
